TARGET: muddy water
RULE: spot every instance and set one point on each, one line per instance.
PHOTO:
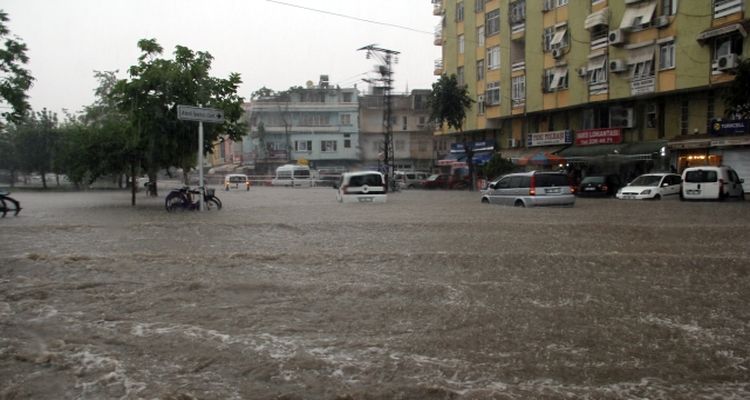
(285, 294)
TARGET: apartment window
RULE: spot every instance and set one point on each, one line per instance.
(346, 119)
(328, 146)
(492, 94)
(555, 79)
(518, 12)
(518, 89)
(459, 11)
(404, 123)
(643, 69)
(461, 44)
(668, 7)
(726, 45)
(347, 97)
(423, 146)
(493, 57)
(651, 109)
(460, 76)
(478, 5)
(549, 33)
(560, 39)
(303, 145)
(597, 71)
(666, 55)
(492, 22)
(480, 104)
(480, 70)
(480, 36)
(561, 3)
(684, 117)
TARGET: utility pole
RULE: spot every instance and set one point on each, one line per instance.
(387, 58)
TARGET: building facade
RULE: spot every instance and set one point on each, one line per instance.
(317, 125)
(607, 85)
(412, 131)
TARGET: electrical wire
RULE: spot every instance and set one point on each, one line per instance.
(369, 21)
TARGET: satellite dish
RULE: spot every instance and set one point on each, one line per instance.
(309, 84)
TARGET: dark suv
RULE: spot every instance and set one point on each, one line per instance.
(599, 186)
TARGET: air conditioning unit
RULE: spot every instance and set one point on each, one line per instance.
(548, 5)
(727, 61)
(557, 53)
(621, 117)
(617, 66)
(661, 22)
(616, 37)
(582, 71)
(513, 143)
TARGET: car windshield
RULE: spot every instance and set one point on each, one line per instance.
(433, 177)
(593, 179)
(646, 180)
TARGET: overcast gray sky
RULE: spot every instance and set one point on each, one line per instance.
(268, 43)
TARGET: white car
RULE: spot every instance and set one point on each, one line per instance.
(361, 187)
(654, 186)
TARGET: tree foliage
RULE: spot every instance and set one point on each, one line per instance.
(34, 143)
(150, 96)
(449, 102)
(15, 80)
(736, 99)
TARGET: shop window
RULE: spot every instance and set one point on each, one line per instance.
(651, 115)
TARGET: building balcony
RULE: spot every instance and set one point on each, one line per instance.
(600, 43)
(437, 7)
(438, 67)
(723, 8)
(518, 66)
(438, 40)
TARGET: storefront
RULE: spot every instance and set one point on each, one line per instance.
(727, 143)
(482, 152)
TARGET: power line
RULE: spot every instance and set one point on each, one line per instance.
(369, 21)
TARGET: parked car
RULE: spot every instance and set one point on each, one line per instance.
(436, 181)
(531, 189)
(236, 181)
(599, 186)
(410, 180)
(361, 187)
(709, 182)
(655, 186)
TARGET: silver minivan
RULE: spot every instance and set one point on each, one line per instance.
(711, 182)
(531, 189)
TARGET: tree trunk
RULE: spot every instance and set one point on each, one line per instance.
(133, 183)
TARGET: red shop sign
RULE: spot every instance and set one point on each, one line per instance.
(599, 136)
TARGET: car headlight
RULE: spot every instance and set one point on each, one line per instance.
(647, 191)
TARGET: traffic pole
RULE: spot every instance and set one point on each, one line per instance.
(200, 164)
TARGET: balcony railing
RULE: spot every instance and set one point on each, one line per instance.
(438, 66)
(518, 66)
(518, 28)
(600, 43)
(438, 41)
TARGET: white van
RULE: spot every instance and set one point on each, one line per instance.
(361, 187)
(710, 182)
(293, 176)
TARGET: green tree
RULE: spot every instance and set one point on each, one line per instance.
(497, 166)
(150, 97)
(736, 100)
(15, 80)
(35, 141)
(448, 104)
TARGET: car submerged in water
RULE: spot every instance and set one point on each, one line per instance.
(531, 189)
(654, 186)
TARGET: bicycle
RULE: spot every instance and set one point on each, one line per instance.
(8, 204)
(182, 199)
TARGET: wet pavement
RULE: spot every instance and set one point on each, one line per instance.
(286, 294)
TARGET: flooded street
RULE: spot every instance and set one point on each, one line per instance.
(286, 294)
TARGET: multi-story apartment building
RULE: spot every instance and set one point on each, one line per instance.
(317, 125)
(625, 85)
(412, 130)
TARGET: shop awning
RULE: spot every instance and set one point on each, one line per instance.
(541, 158)
(600, 17)
(558, 38)
(639, 150)
(451, 159)
(483, 157)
